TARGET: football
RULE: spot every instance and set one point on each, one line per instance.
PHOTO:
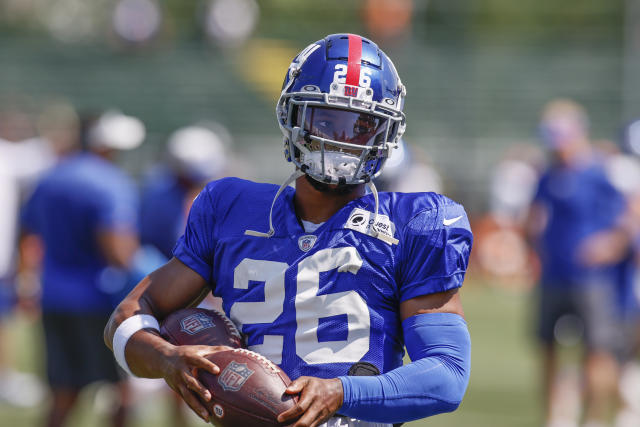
(249, 391)
(200, 326)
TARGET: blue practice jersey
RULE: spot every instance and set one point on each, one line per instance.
(580, 202)
(162, 210)
(316, 303)
(80, 196)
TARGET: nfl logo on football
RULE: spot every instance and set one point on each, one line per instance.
(196, 323)
(306, 242)
(234, 376)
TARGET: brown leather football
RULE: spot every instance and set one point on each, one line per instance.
(249, 391)
(200, 326)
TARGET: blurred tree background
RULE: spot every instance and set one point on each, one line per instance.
(477, 72)
(477, 75)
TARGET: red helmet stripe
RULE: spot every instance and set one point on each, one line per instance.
(355, 57)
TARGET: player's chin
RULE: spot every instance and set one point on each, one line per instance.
(340, 189)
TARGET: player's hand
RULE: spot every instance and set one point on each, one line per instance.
(180, 373)
(603, 248)
(319, 400)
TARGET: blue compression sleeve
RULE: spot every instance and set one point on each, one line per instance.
(434, 382)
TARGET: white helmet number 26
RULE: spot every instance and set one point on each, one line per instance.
(340, 75)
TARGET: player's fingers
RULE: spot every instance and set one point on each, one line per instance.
(204, 350)
(322, 414)
(195, 385)
(193, 403)
(296, 386)
(304, 402)
(201, 362)
(314, 416)
(307, 420)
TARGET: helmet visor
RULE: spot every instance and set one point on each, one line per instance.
(341, 125)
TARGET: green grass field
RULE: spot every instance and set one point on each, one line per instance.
(504, 388)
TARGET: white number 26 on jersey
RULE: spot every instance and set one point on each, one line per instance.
(309, 306)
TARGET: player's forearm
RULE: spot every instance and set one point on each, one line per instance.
(402, 395)
(433, 383)
(134, 303)
(145, 352)
(142, 350)
(148, 354)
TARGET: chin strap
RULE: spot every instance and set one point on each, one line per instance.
(295, 175)
(372, 230)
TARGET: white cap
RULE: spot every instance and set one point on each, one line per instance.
(117, 131)
(197, 152)
(633, 137)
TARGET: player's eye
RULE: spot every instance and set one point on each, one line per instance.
(361, 129)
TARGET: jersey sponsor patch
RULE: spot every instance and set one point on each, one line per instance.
(362, 221)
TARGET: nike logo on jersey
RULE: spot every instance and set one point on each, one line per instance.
(450, 221)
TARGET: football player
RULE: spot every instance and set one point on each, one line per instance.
(195, 155)
(579, 251)
(328, 281)
(84, 211)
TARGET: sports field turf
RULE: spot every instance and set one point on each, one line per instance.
(504, 379)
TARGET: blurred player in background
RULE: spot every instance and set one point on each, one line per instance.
(575, 223)
(84, 210)
(23, 157)
(195, 155)
(623, 169)
(325, 280)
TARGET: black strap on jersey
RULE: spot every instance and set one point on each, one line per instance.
(365, 369)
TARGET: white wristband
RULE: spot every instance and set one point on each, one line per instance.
(125, 330)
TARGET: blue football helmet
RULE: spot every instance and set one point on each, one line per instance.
(340, 110)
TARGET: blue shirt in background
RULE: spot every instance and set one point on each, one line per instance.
(162, 210)
(78, 197)
(580, 201)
